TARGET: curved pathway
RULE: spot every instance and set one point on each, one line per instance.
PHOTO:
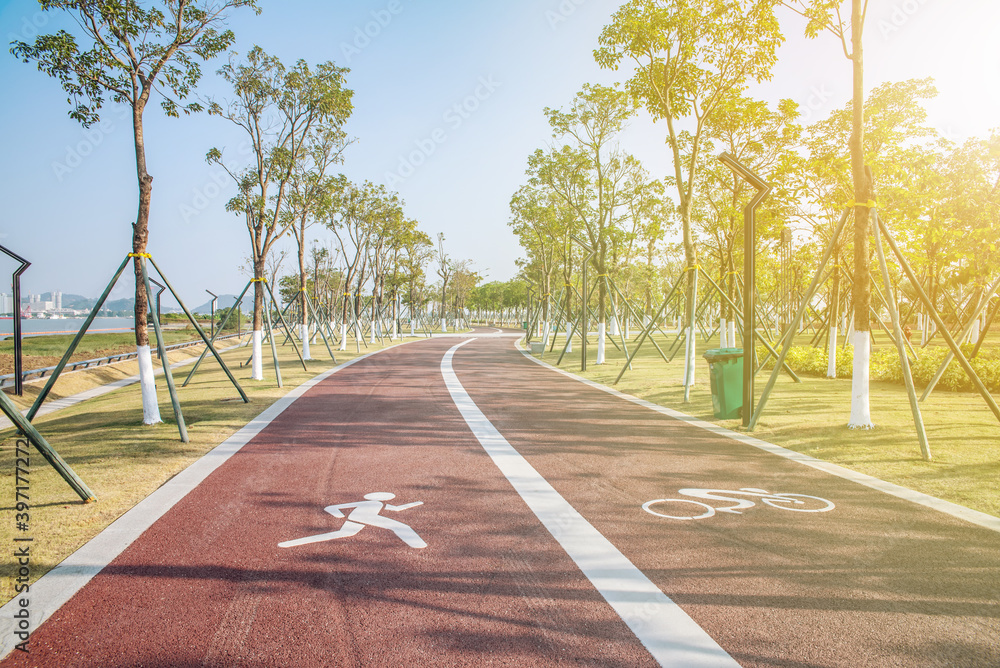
(430, 505)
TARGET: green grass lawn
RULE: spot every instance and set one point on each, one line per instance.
(811, 417)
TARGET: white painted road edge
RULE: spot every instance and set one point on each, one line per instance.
(947, 507)
(56, 587)
(670, 635)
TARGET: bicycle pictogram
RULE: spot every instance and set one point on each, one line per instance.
(800, 503)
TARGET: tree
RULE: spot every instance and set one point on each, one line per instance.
(826, 15)
(591, 175)
(312, 193)
(766, 141)
(689, 56)
(279, 109)
(542, 224)
(898, 147)
(128, 53)
(388, 225)
(446, 267)
(463, 282)
(417, 251)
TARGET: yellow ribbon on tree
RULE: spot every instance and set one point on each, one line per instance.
(145, 255)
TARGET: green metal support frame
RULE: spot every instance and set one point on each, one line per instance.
(222, 327)
(201, 332)
(47, 451)
(911, 393)
(794, 325)
(74, 343)
(161, 350)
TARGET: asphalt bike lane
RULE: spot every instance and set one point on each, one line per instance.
(780, 563)
(364, 526)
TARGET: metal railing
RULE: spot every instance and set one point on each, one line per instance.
(35, 374)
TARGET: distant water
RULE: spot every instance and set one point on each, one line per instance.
(38, 326)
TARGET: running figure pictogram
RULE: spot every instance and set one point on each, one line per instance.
(366, 513)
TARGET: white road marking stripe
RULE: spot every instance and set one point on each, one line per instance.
(670, 635)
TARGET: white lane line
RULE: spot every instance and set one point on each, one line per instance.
(670, 635)
(947, 507)
(59, 585)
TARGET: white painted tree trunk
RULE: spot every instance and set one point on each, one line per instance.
(628, 329)
(690, 348)
(150, 406)
(614, 326)
(569, 338)
(860, 411)
(831, 354)
(444, 325)
(545, 333)
(732, 334)
(724, 334)
(257, 364)
(601, 333)
(646, 319)
(306, 355)
(413, 332)
(343, 336)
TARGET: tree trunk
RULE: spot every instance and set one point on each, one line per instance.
(691, 261)
(257, 365)
(602, 305)
(303, 302)
(860, 411)
(834, 316)
(140, 239)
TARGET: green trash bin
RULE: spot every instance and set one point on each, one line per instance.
(726, 371)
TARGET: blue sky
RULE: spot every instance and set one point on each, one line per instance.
(70, 193)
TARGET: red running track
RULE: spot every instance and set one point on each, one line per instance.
(876, 581)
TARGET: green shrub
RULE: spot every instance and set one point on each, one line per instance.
(885, 366)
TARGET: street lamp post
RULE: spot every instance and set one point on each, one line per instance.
(749, 277)
(215, 298)
(158, 318)
(16, 297)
